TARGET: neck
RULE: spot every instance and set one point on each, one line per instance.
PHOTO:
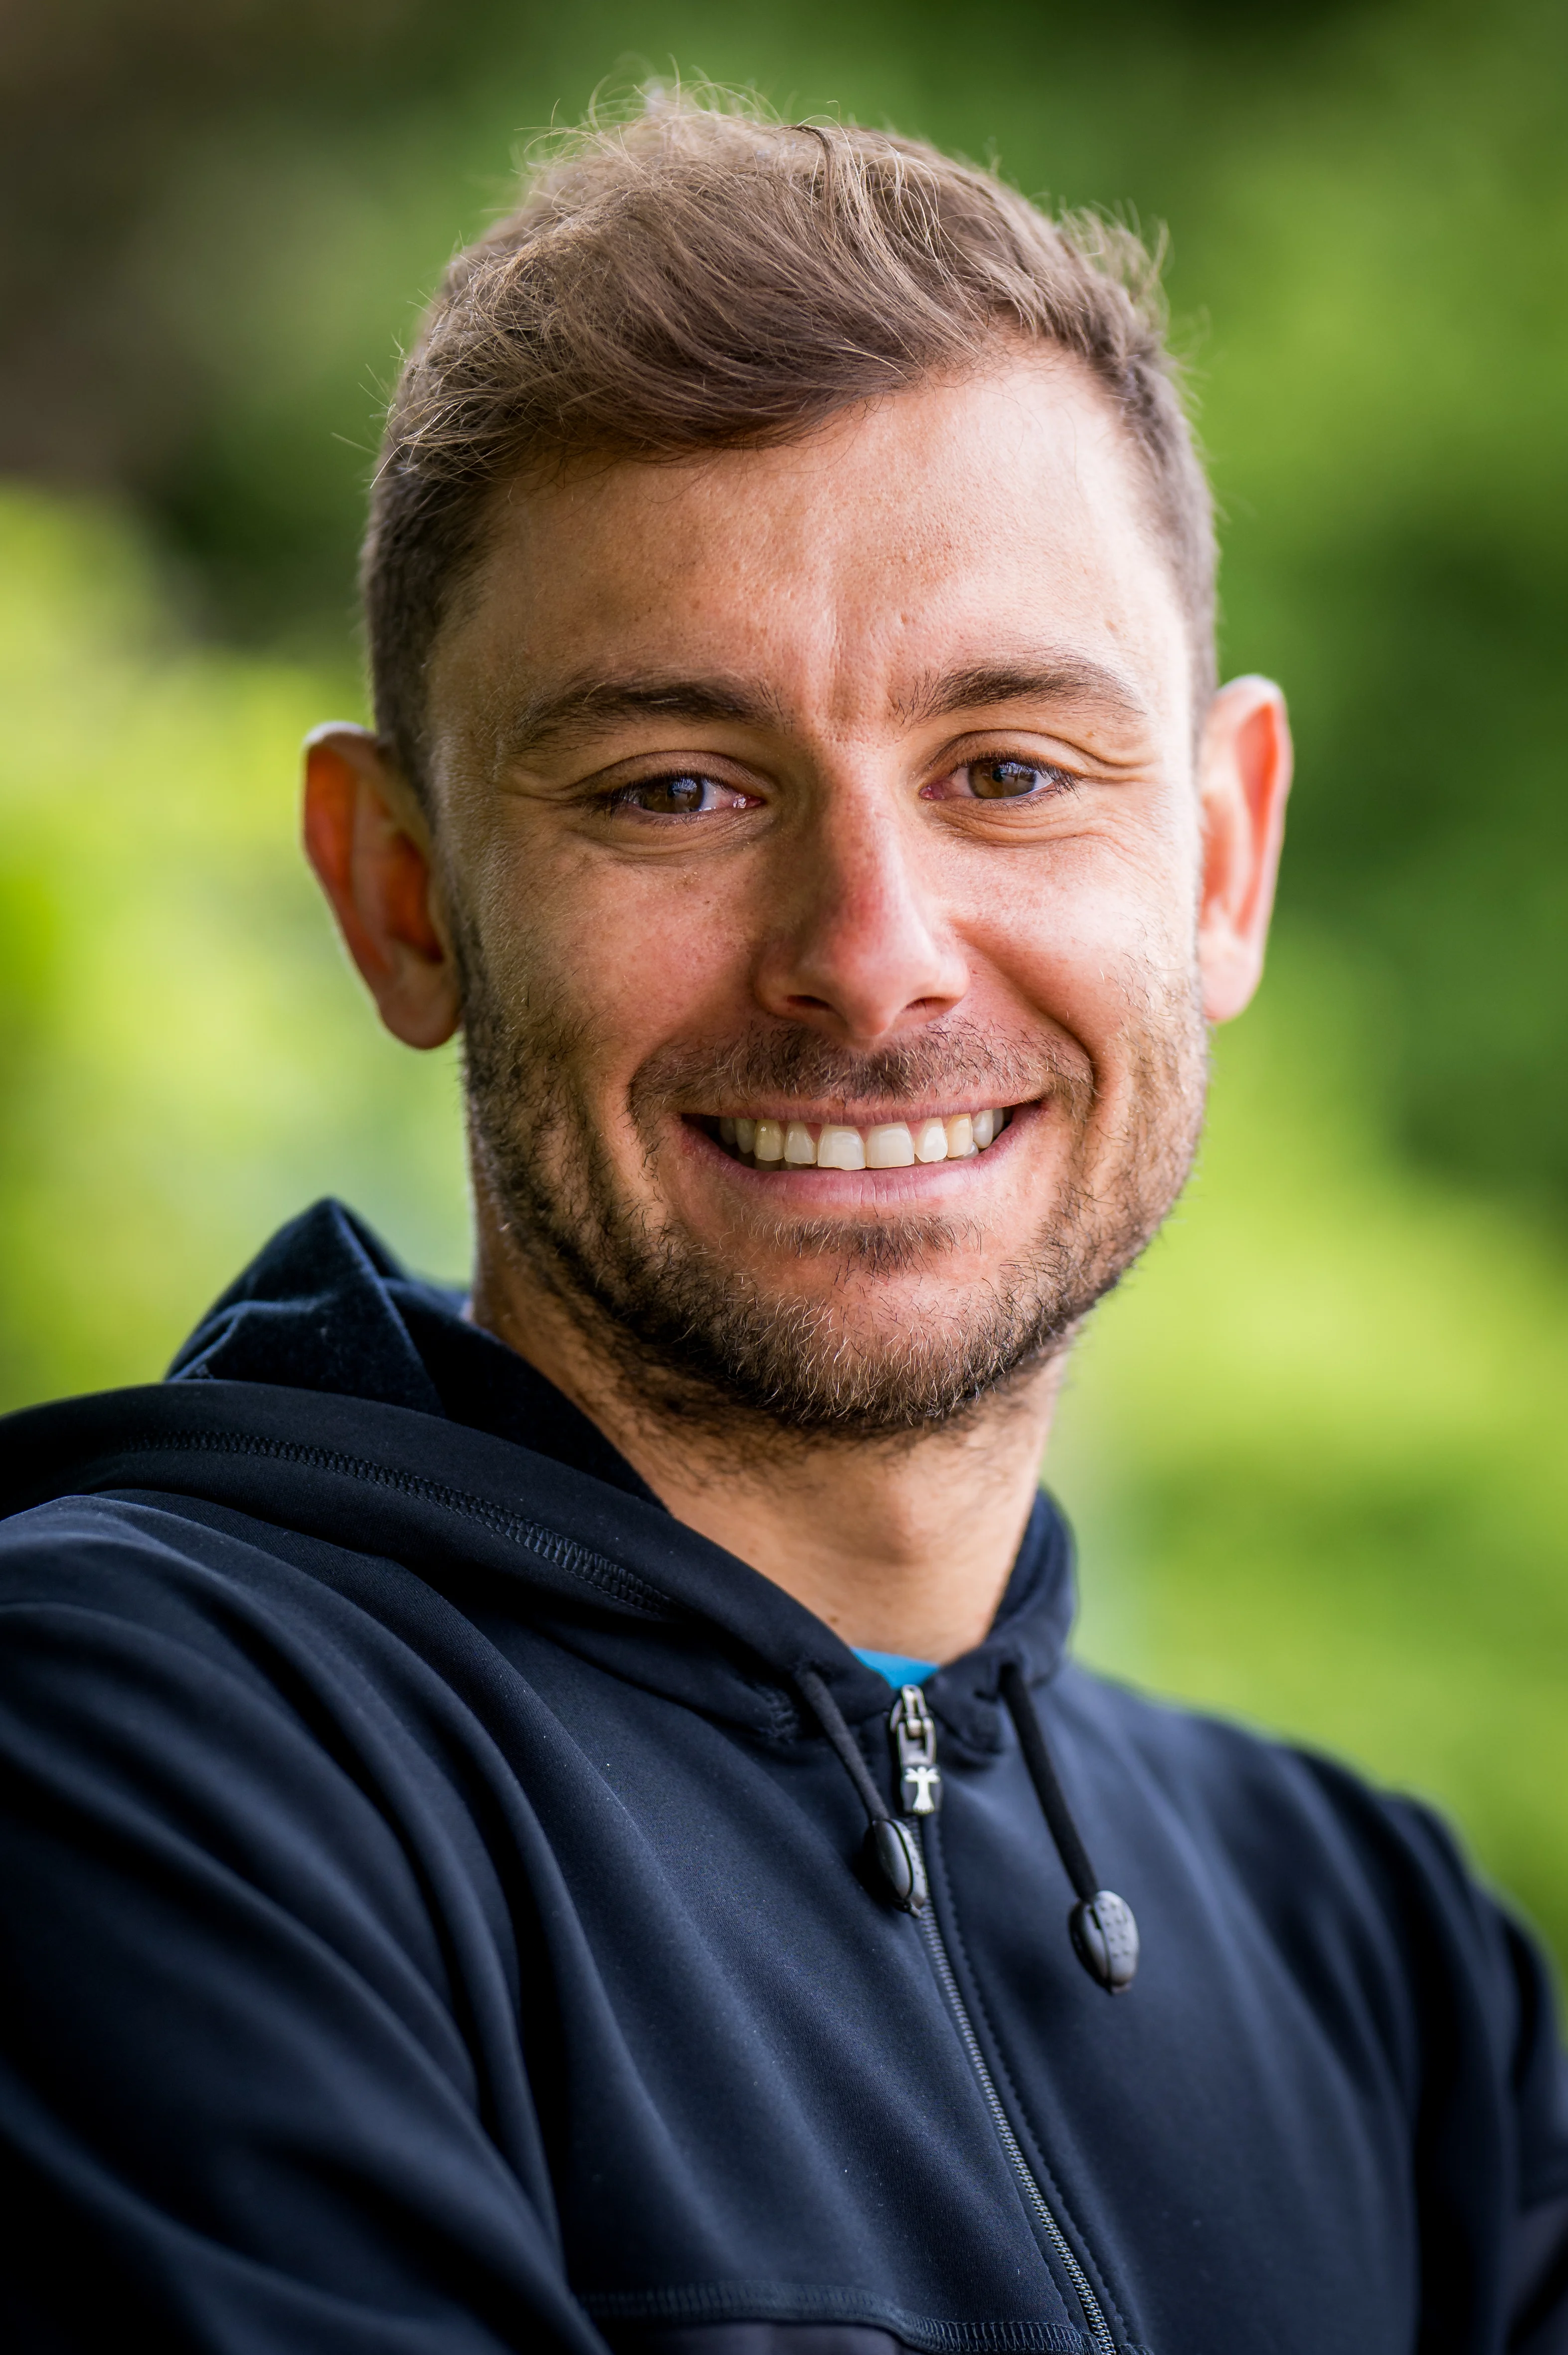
(899, 1546)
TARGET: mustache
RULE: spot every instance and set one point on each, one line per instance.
(944, 1062)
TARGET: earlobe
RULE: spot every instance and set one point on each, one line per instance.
(1244, 783)
(368, 842)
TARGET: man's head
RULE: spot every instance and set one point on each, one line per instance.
(790, 589)
(697, 280)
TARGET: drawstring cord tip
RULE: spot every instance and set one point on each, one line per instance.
(1103, 1932)
(900, 1864)
(1105, 1940)
(894, 1845)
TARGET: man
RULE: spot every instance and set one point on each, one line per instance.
(563, 1821)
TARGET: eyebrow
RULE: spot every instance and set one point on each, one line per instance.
(1058, 679)
(590, 704)
(593, 703)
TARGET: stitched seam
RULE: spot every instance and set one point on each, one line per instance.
(561, 1552)
(804, 2302)
(1061, 2205)
(785, 1726)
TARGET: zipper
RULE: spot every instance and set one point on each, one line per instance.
(914, 1731)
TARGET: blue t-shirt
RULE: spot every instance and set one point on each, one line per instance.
(897, 1669)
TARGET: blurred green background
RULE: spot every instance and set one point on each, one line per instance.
(1314, 1446)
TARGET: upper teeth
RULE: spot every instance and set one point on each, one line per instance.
(887, 1145)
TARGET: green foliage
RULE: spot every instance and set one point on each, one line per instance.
(186, 1059)
(224, 223)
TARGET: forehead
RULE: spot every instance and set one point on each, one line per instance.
(939, 530)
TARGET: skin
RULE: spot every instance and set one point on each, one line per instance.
(955, 576)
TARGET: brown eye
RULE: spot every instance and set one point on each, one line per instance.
(683, 796)
(999, 780)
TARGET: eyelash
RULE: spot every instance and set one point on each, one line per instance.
(622, 797)
(1055, 779)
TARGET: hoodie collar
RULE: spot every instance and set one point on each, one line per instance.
(325, 1307)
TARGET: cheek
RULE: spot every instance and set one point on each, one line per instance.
(1096, 938)
(621, 959)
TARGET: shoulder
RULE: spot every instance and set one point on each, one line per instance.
(1256, 1794)
(1291, 1818)
(177, 1568)
(178, 1688)
(1365, 1896)
(140, 1617)
(94, 1542)
(107, 1602)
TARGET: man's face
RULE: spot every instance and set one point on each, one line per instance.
(845, 788)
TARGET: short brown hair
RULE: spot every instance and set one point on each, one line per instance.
(703, 277)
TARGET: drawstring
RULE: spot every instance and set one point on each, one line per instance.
(896, 1852)
(1103, 1932)
(1070, 1848)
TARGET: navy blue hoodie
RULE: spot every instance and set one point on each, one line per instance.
(438, 1919)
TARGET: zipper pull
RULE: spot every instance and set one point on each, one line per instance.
(914, 1731)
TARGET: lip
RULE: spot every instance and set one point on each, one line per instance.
(781, 1184)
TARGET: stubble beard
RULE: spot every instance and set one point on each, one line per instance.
(692, 1337)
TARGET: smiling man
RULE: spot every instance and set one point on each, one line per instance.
(560, 1819)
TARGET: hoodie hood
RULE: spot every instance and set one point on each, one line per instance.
(330, 1391)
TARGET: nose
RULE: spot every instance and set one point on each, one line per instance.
(861, 945)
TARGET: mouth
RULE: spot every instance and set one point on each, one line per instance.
(765, 1142)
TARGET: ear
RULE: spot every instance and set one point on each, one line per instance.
(1244, 774)
(367, 841)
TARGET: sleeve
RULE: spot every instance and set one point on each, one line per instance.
(1538, 2282)
(1537, 2258)
(240, 2112)
(1492, 2132)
